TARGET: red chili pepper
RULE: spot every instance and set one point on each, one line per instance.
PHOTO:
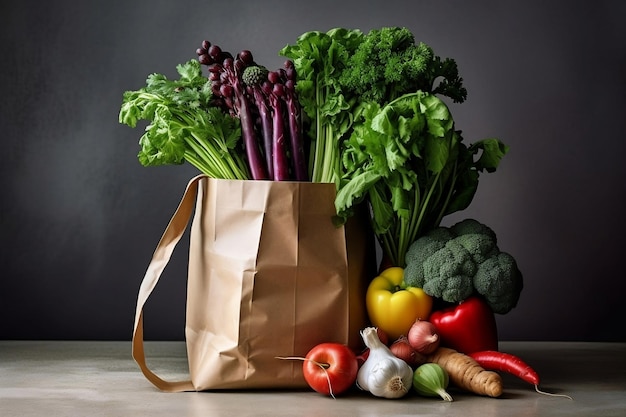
(500, 361)
(506, 362)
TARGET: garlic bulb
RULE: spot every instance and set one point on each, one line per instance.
(383, 374)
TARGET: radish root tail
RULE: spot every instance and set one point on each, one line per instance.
(551, 394)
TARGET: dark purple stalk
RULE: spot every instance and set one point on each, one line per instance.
(255, 160)
(266, 127)
(295, 135)
(279, 145)
(247, 90)
(233, 71)
(225, 75)
(294, 120)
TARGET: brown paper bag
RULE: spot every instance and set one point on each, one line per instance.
(269, 275)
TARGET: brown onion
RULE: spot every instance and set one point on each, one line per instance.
(403, 350)
(423, 337)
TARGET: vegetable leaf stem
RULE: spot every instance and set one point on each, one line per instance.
(183, 125)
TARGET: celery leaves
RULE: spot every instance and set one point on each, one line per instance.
(184, 125)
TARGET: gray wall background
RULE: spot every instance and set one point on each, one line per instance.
(80, 217)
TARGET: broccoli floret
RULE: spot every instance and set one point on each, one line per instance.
(454, 263)
(499, 280)
(254, 75)
(473, 227)
(388, 63)
(452, 269)
(429, 244)
(479, 240)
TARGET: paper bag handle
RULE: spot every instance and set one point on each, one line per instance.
(160, 258)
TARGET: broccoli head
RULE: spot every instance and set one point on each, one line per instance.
(454, 263)
(388, 63)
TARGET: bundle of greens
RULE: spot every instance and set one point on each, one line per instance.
(413, 168)
(185, 125)
(384, 135)
(319, 58)
(368, 105)
(241, 121)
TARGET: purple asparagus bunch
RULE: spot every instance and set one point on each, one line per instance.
(267, 106)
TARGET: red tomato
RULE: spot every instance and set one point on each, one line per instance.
(330, 365)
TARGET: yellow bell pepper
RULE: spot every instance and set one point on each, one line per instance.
(392, 306)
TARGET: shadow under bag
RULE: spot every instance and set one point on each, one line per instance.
(269, 275)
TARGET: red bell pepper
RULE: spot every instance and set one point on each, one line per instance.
(467, 327)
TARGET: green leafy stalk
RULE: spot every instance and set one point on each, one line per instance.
(381, 133)
(342, 70)
(406, 159)
(319, 58)
(184, 125)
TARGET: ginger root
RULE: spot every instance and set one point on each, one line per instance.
(466, 373)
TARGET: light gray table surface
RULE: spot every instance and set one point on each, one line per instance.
(65, 378)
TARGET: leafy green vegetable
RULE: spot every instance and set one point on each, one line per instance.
(319, 58)
(410, 163)
(382, 135)
(342, 70)
(370, 106)
(185, 125)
